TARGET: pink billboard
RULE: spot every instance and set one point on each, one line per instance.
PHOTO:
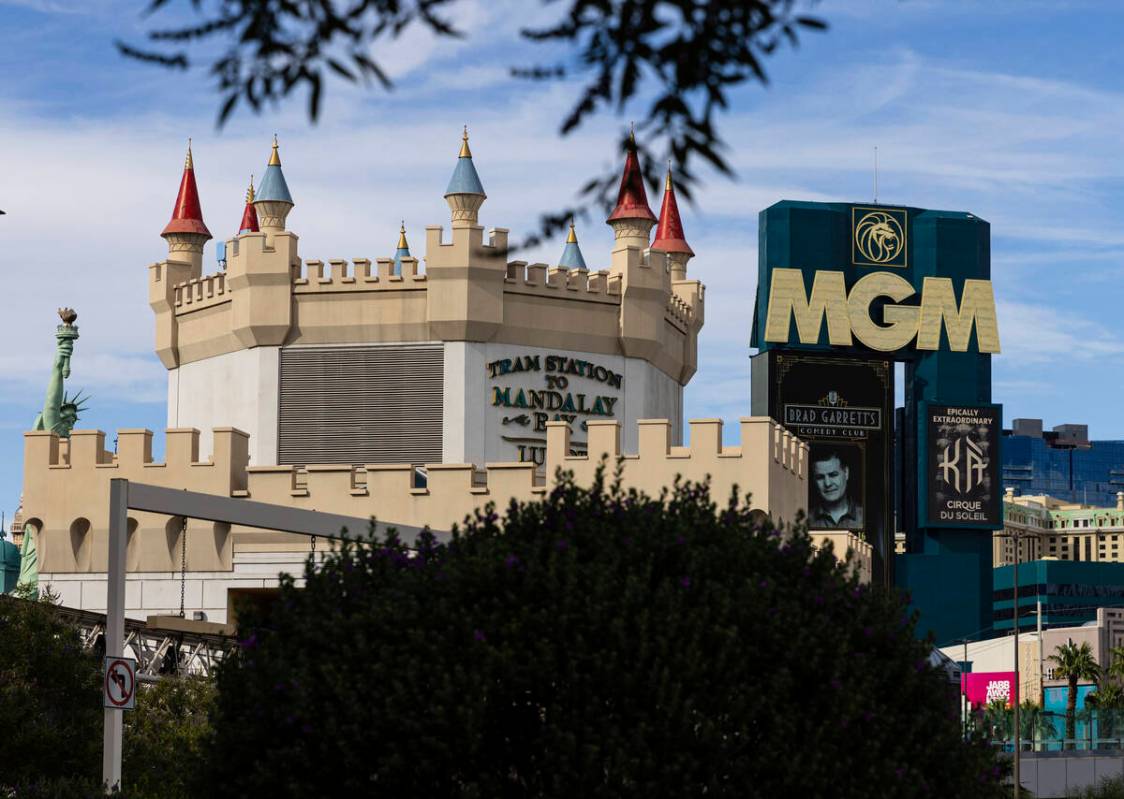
(982, 687)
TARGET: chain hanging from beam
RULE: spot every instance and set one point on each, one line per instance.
(183, 566)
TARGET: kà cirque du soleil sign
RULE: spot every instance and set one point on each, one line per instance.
(879, 242)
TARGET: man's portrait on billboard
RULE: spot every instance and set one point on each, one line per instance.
(835, 487)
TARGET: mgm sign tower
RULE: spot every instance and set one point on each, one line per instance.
(845, 291)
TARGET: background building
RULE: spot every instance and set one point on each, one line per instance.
(1046, 527)
(1062, 462)
(1071, 593)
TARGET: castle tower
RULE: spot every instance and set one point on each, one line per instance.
(185, 232)
(632, 219)
(571, 253)
(273, 201)
(465, 193)
(669, 233)
(403, 250)
(249, 222)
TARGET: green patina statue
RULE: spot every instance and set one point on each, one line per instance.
(60, 412)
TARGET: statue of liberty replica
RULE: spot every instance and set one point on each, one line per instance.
(59, 415)
(60, 412)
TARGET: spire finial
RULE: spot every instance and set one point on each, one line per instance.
(465, 152)
(250, 191)
(275, 157)
(402, 244)
(573, 237)
(188, 163)
(667, 185)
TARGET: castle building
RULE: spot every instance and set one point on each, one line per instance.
(412, 390)
(384, 362)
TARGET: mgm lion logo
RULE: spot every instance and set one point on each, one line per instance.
(879, 237)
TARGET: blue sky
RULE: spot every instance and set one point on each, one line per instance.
(1010, 109)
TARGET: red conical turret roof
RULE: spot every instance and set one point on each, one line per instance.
(187, 216)
(250, 215)
(632, 200)
(669, 233)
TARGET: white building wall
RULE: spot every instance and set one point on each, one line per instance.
(238, 389)
(158, 593)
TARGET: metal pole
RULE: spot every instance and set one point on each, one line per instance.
(1041, 671)
(115, 623)
(1018, 745)
(964, 690)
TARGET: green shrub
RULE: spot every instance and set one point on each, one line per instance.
(594, 644)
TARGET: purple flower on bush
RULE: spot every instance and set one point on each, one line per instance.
(250, 642)
(868, 631)
(511, 561)
(478, 635)
(836, 684)
(562, 545)
(685, 581)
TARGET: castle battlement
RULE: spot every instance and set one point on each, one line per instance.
(551, 281)
(339, 275)
(66, 490)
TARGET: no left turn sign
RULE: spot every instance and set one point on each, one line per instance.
(120, 683)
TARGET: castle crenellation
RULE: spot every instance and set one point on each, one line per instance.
(71, 488)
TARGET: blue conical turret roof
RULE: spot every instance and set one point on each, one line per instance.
(465, 180)
(572, 254)
(403, 250)
(273, 187)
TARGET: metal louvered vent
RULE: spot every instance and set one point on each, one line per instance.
(361, 404)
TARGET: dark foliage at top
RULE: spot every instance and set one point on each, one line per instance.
(678, 59)
(597, 644)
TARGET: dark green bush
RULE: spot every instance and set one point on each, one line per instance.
(594, 644)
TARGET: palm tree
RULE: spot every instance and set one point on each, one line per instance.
(1108, 699)
(1035, 723)
(1116, 662)
(1074, 663)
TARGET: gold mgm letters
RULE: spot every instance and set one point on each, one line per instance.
(900, 323)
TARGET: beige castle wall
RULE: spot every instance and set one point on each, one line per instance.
(62, 489)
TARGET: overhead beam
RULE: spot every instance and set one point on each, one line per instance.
(247, 513)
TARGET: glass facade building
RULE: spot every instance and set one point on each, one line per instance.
(1062, 463)
(1070, 593)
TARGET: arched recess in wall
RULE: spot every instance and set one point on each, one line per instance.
(220, 537)
(32, 527)
(81, 544)
(758, 518)
(173, 531)
(132, 546)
